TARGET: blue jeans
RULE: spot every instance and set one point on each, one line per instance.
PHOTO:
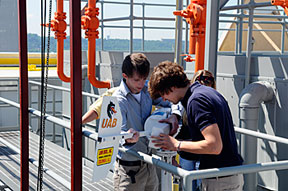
(191, 165)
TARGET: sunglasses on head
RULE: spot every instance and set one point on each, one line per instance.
(205, 79)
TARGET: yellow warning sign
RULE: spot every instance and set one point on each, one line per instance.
(104, 156)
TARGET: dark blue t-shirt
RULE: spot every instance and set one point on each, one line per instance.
(204, 107)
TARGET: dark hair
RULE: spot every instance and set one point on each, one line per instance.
(205, 77)
(136, 62)
(165, 76)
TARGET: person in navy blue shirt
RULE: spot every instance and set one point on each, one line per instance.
(209, 120)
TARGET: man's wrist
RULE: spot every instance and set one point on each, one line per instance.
(179, 145)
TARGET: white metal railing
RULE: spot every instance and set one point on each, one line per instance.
(63, 89)
(187, 176)
(59, 88)
(251, 8)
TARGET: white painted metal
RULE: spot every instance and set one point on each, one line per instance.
(110, 125)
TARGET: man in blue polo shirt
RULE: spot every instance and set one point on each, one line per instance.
(210, 124)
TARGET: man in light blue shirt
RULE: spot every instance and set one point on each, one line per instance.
(136, 104)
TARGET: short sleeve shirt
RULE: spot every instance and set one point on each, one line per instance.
(96, 106)
(205, 106)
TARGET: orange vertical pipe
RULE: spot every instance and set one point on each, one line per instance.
(59, 25)
(60, 58)
(60, 6)
(192, 41)
(92, 3)
(60, 40)
(197, 55)
(202, 39)
(90, 23)
(91, 66)
(200, 51)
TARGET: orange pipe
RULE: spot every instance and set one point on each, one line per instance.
(192, 41)
(90, 24)
(91, 66)
(60, 35)
(60, 68)
(200, 52)
(195, 15)
(202, 39)
(197, 55)
(282, 3)
(92, 3)
(60, 6)
(59, 25)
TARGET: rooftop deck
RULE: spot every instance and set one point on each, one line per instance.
(57, 159)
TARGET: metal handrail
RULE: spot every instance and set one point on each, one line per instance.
(94, 135)
(247, 6)
(63, 89)
(256, 16)
(188, 176)
(86, 132)
(261, 135)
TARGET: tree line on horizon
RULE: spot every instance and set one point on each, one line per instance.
(164, 45)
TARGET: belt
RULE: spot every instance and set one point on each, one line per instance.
(129, 163)
(220, 177)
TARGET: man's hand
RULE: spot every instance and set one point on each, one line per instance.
(165, 142)
(135, 137)
(173, 120)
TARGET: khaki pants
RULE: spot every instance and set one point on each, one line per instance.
(231, 183)
(145, 179)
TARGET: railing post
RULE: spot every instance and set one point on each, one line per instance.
(102, 25)
(23, 71)
(76, 95)
(187, 183)
(178, 34)
(283, 34)
(249, 44)
(54, 114)
(211, 37)
(131, 18)
(143, 27)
